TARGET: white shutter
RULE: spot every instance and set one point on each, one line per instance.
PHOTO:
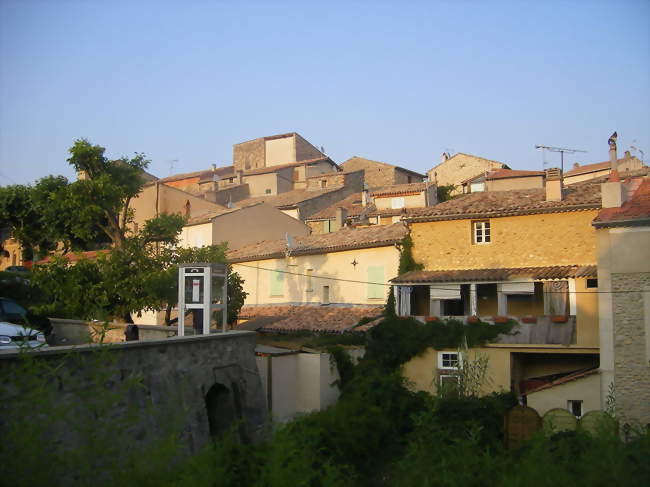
(518, 287)
(444, 291)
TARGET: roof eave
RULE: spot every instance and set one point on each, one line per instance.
(532, 211)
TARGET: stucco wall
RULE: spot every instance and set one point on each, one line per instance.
(280, 151)
(296, 288)
(258, 184)
(196, 235)
(518, 241)
(461, 167)
(174, 372)
(515, 183)
(585, 389)
(410, 201)
(170, 200)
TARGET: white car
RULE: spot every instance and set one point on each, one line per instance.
(13, 337)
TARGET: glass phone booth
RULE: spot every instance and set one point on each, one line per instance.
(202, 287)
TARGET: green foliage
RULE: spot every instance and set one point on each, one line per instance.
(406, 261)
(444, 192)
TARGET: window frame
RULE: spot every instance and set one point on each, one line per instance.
(441, 360)
(486, 232)
(580, 402)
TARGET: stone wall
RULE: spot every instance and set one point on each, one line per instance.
(376, 173)
(631, 366)
(249, 155)
(181, 375)
(304, 150)
(459, 168)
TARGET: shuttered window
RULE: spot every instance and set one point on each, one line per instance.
(376, 275)
(277, 283)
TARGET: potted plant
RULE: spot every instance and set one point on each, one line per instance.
(473, 319)
(529, 319)
(431, 319)
(559, 318)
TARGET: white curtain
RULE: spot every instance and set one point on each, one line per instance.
(404, 300)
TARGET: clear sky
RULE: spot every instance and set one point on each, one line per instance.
(397, 81)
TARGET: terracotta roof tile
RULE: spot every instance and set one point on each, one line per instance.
(204, 173)
(76, 256)
(270, 169)
(288, 199)
(563, 380)
(344, 239)
(505, 274)
(396, 189)
(506, 203)
(635, 210)
(316, 318)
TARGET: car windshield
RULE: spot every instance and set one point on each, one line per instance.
(12, 310)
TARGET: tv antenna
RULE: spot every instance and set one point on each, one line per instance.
(171, 165)
(561, 150)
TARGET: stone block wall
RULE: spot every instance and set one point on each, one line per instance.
(249, 155)
(631, 366)
(207, 383)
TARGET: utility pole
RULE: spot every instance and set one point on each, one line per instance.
(561, 150)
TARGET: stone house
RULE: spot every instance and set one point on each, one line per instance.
(623, 237)
(378, 174)
(629, 165)
(350, 267)
(380, 206)
(528, 255)
(274, 150)
(461, 168)
(503, 180)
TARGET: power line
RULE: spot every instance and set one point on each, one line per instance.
(441, 288)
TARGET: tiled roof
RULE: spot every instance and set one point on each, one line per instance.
(270, 169)
(506, 274)
(220, 171)
(285, 200)
(316, 318)
(363, 159)
(344, 239)
(512, 173)
(396, 189)
(210, 215)
(76, 256)
(634, 211)
(352, 203)
(598, 166)
(503, 164)
(563, 380)
(507, 203)
(634, 173)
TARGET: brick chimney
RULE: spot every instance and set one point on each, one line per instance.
(341, 216)
(553, 184)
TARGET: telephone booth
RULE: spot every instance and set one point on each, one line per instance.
(202, 287)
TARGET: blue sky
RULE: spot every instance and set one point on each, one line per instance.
(399, 82)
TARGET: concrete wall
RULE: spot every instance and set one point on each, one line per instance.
(461, 167)
(168, 200)
(176, 375)
(303, 289)
(624, 266)
(518, 241)
(508, 184)
(586, 389)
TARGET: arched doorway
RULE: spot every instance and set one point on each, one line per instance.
(223, 406)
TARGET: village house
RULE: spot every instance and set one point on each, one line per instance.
(627, 166)
(380, 206)
(528, 255)
(460, 168)
(503, 180)
(379, 174)
(347, 268)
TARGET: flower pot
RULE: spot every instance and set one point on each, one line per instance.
(431, 319)
(529, 319)
(500, 319)
(559, 319)
(473, 319)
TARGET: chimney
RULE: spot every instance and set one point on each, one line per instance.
(365, 199)
(613, 158)
(341, 216)
(444, 157)
(214, 168)
(431, 194)
(628, 155)
(576, 165)
(239, 174)
(553, 184)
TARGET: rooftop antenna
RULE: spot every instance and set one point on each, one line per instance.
(171, 166)
(635, 148)
(561, 150)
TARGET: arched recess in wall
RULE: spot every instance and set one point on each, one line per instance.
(223, 406)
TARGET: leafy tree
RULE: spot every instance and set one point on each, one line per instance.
(444, 192)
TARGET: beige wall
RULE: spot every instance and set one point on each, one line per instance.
(585, 389)
(280, 151)
(303, 289)
(410, 201)
(509, 184)
(459, 168)
(585, 177)
(15, 251)
(519, 241)
(259, 183)
(170, 200)
(242, 227)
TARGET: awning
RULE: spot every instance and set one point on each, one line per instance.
(497, 275)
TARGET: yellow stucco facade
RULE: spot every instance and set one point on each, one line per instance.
(551, 239)
(312, 279)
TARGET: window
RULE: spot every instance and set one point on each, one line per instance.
(449, 381)
(277, 283)
(376, 275)
(575, 407)
(323, 183)
(448, 360)
(592, 283)
(310, 288)
(481, 231)
(268, 191)
(397, 203)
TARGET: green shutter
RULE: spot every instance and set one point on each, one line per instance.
(376, 274)
(277, 283)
